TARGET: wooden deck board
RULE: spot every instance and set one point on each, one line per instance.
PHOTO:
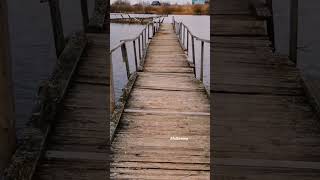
(166, 101)
(80, 129)
(264, 127)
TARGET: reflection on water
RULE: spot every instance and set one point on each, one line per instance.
(199, 25)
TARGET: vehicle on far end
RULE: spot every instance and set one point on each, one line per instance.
(155, 3)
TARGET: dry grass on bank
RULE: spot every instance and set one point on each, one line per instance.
(173, 9)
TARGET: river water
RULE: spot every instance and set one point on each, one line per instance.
(199, 25)
(32, 47)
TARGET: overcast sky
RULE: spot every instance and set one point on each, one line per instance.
(171, 1)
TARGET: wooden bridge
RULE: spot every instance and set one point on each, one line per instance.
(66, 137)
(163, 131)
(264, 126)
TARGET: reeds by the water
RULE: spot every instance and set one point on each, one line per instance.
(168, 9)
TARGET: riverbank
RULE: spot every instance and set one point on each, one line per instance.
(172, 9)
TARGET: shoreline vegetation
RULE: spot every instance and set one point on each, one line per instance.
(122, 6)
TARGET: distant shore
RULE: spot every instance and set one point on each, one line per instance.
(170, 9)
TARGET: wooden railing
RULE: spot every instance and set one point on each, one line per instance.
(142, 41)
(56, 20)
(140, 46)
(270, 23)
(266, 11)
(184, 34)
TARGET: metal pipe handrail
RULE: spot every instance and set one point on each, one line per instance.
(132, 39)
(201, 39)
(143, 39)
(196, 37)
(183, 32)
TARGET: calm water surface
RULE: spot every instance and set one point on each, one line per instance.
(32, 47)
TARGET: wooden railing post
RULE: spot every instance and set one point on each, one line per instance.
(112, 94)
(139, 46)
(125, 58)
(7, 119)
(85, 14)
(148, 31)
(270, 23)
(142, 41)
(294, 11)
(145, 39)
(187, 41)
(135, 54)
(57, 26)
(184, 35)
(193, 56)
(202, 54)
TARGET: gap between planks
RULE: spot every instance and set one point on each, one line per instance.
(167, 112)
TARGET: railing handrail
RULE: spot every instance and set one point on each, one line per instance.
(139, 50)
(184, 38)
(134, 38)
(200, 39)
(196, 37)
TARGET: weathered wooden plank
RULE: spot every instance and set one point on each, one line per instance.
(264, 126)
(80, 129)
(164, 130)
(26, 157)
(229, 25)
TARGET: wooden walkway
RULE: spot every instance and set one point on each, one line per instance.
(77, 146)
(263, 125)
(166, 106)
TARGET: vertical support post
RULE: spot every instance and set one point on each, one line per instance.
(145, 39)
(135, 54)
(188, 41)
(148, 31)
(180, 31)
(153, 29)
(139, 46)
(202, 54)
(85, 14)
(125, 58)
(184, 36)
(112, 95)
(294, 6)
(270, 24)
(142, 42)
(57, 26)
(7, 119)
(193, 56)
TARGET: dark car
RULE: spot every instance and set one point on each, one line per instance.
(155, 3)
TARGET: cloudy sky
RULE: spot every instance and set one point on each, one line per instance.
(171, 1)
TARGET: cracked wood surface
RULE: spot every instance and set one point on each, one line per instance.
(263, 125)
(77, 146)
(166, 101)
